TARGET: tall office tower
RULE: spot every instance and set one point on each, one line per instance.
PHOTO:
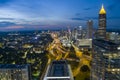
(89, 29)
(58, 70)
(15, 72)
(102, 24)
(106, 61)
(75, 33)
(69, 33)
(80, 32)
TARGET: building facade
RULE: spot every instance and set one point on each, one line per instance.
(106, 61)
(15, 72)
(89, 29)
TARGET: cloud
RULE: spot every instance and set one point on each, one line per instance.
(6, 18)
(92, 17)
(11, 13)
(6, 24)
(77, 14)
(4, 2)
(31, 13)
(77, 18)
(14, 27)
(11, 28)
(84, 18)
(87, 8)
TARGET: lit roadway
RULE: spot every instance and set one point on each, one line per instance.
(26, 52)
(58, 52)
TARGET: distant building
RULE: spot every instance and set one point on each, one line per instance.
(114, 37)
(102, 24)
(58, 70)
(84, 43)
(80, 32)
(66, 43)
(106, 61)
(15, 72)
(38, 49)
(75, 33)
(69, 34)
(89, 29)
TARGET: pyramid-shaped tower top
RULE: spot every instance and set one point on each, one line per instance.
(102, 10)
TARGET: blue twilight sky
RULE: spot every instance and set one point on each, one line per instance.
(55, 14)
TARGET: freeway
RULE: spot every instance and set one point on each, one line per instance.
(58, 52)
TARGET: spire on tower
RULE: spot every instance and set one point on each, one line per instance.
(102, 10)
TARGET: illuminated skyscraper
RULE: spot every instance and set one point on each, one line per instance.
(102, 24)
(106, 60)
(69, 33)
(80, 32)
(89, 28)
(75, 33)
(106, 54)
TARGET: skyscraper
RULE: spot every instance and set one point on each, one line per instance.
(102, 24)
(106, 60)
(80, 32)
(69, 33)
(75, 33)
(89, 28)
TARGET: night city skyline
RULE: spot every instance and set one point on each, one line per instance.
(55, 14)
(59, 40)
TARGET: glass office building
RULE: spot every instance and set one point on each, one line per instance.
(106, 61)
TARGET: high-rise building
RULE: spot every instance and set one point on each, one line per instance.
(58, 70)
(106, 60)
(69, 33)
(75, 33)
(102, 24)
(15, 72)
(89, 29)
(80, 32)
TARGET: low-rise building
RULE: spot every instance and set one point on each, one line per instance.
(15, 72)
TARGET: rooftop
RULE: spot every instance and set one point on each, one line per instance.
(58, 68)
(106, 42)
(102, 10)
(12, 66)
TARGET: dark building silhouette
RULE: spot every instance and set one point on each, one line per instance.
(89, 28)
